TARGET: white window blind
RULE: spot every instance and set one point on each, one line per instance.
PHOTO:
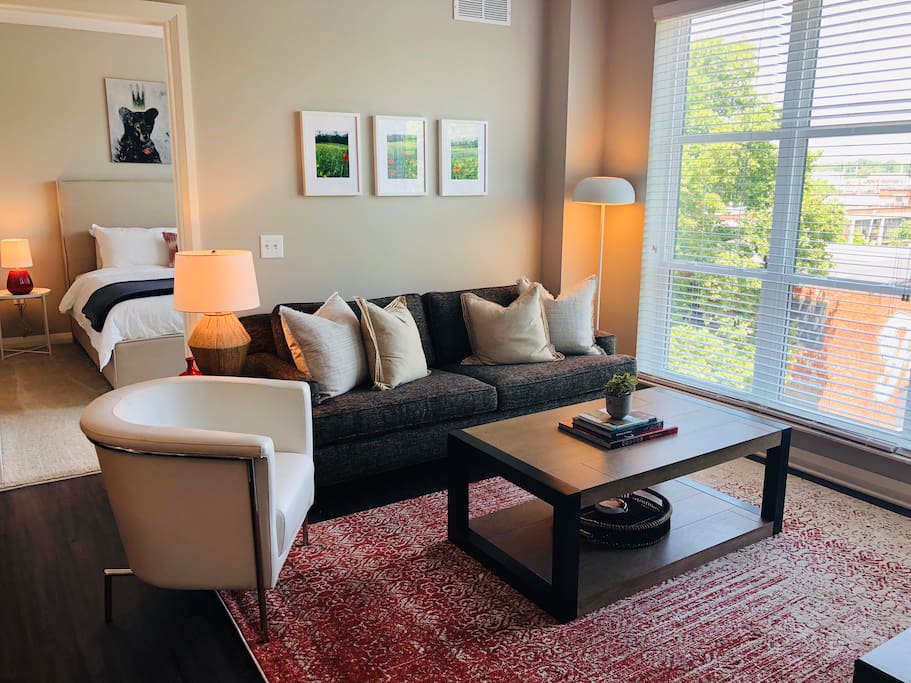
(777, 251)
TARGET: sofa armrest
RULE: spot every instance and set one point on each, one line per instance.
(606, 341)
(270, 366)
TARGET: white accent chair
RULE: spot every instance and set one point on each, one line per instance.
(210, 479)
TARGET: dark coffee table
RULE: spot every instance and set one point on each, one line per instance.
(536, 546)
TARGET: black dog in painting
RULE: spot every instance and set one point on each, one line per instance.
(136, 144)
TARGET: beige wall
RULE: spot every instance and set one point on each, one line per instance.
(253, 68)
(555, 115)
(54, 125)
(627, 109)
(574, 123)
(584, 137)
(597, 121)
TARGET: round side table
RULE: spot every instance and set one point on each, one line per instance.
(20, 299)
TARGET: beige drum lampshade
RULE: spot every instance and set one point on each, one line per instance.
(214, 281)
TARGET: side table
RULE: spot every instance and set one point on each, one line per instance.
(20, 299)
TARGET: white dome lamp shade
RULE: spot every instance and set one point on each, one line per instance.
(603, 191)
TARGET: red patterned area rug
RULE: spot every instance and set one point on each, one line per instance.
(382, 596)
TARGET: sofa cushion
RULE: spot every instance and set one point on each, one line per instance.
(327, 346)
(507, 334)
(570, 316)
(447, 326)
(393, 344)
(362, 413)
(529, 384)
(413, 301)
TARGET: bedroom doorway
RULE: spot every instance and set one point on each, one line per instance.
(43, 418)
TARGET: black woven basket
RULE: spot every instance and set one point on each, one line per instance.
(646, 521)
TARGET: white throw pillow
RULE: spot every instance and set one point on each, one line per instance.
(125, 247)
(570, 317)
(326, 346)
(392, 343)
(515, 334)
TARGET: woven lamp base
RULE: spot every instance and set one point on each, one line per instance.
(219, 343)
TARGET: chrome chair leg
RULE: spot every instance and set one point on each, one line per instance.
(109, 574)
(263, 618)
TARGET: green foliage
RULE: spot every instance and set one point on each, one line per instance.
(727, 192)
(901, 236)
(402, 157)
(332, 160)
(695, 351)
(621, 385)
(464, 162)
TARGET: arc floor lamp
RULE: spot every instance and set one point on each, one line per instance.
(603, 191)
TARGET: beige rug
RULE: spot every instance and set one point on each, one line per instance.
(40, 440)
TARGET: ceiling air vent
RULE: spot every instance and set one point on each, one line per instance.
(484, 11)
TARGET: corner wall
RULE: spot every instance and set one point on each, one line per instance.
(254, 65)
(627, 114)
(592, 64)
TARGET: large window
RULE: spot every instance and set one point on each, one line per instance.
(777, 252)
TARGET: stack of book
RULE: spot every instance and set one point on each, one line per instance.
(600, 429)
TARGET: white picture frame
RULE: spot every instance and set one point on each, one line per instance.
(463, 157)
(330, 153)
(400, 155)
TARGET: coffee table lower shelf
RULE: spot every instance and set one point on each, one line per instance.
(516, 543)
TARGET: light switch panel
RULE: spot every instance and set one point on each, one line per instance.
(271, 246)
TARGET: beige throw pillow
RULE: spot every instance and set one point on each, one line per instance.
(570, 317)
(392, 343)
(515, 334)
(326, 346)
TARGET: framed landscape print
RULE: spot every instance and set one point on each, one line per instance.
(138, 121)
(330, 153)
(463, 157)
(400, 155)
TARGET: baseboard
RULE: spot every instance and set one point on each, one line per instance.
(853, 468)
(874, 493)
(36, 340)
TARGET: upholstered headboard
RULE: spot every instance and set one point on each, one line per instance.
(111, 203)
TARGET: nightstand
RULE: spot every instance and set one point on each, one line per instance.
(20, 300)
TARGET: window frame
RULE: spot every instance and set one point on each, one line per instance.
(779, 276)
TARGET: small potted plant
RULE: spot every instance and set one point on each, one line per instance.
(618, 394)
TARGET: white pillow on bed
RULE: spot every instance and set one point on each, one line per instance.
(124, 247)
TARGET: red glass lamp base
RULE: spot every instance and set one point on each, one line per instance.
(191, 370)
(19, 281)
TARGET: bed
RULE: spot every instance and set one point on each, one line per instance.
(142, 338)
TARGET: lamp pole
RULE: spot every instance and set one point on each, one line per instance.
(604, 191)
(600, 272)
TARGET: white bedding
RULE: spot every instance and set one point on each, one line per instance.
(144, 318)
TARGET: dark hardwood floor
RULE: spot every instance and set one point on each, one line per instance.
(56, 538)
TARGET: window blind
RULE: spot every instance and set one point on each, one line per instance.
(777, 249)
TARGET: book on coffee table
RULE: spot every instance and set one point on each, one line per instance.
(610, 435)
(616, 442)
(612, 425)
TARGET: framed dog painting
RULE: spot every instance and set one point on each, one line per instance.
(138, 121)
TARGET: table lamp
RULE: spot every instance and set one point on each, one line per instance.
(603, 191)
(15, 254)
(216, 283)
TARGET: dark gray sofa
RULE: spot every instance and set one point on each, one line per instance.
(365, 432)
